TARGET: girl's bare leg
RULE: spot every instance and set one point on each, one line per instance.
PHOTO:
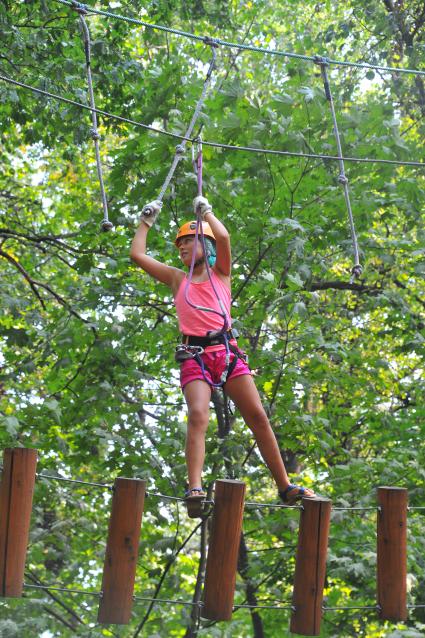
(197, 394)
(244, 394)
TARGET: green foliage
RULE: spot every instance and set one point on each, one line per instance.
(87, 372)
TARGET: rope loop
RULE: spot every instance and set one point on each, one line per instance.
(212, 42)
(79, 7)
(356, 271)
(94, 134)
(342, 179)
(320, 59)
(106, 225)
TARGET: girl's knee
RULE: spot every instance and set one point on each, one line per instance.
(257, 420)
(198, 416)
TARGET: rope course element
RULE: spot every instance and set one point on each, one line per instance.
(168, 601)
(247, 505)
(99, 594)
(364, 607)
(200, 604)
(253, 505)
(64, 589)
(237, 45)
(356, 271)
(110, 488)
(116, 596)
(67, 480)
(282, 607)
(228, 147)
(197, 164)
(358, 509)
(106, 224)
(180, 148)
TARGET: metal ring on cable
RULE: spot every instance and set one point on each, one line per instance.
(79, 7)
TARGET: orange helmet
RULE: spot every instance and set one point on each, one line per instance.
(189, 228)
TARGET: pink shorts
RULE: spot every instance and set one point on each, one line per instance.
(215, 362)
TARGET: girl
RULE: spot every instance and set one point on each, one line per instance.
(197, 373)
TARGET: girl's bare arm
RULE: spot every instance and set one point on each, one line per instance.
(166, 274)
(223, 262)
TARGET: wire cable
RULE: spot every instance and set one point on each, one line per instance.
(64, 589)
(187, 136)
(229, 147)
(356, 508)
(94, 133)
(275, 607)
(67, 480)
(168, 601)
(99, 594)
(356, 271)
(242, 47)
(371, 607)
(253, 505)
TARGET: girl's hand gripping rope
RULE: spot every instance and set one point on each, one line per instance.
(201, 205)
(151, 211)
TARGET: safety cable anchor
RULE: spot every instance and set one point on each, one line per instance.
(94, 134)
(211, 41)
(79, 7)
(106, 225)
(321, 60)
(356, 271)
(198, 142)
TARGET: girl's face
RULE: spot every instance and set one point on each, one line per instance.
(185, 247)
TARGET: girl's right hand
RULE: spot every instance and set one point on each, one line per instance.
(151, 211)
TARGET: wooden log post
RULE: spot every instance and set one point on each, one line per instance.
(310, 568)
(223, 550)
(16, 494)
(392, 553)
(122, 551)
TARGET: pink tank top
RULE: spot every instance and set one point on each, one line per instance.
(199, 322)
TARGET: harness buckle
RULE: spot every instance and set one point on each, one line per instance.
(184, 352)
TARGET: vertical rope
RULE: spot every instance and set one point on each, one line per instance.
(197, 165)
(106, 224)
(180, 148)
(342, 178)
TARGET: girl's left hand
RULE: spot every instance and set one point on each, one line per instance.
(202, 205)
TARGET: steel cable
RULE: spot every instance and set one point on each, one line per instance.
(106, 224)
(243, 47)
(229, 147)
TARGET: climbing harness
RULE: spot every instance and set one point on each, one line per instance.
(356, 271)
(185, 352)
(81, 10)
(201, 230)
(222, 334)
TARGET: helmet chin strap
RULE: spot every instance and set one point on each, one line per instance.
(200, 261)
